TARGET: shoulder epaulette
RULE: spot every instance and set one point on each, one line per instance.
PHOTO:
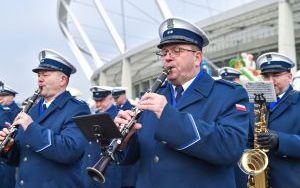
(80, 101)
(229, 83)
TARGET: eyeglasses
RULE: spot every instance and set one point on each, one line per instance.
(274, 75)
(174, 52)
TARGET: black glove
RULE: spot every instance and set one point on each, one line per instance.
(268, 140)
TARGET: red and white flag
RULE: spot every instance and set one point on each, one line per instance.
(241, 107)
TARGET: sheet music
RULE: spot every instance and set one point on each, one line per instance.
(261, 87)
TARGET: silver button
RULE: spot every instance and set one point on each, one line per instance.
(285, 156)
(27, 146)
(25, 159)
(156, 159)
(163, 142)
(89, 155)
(21, 182)
(90, 142)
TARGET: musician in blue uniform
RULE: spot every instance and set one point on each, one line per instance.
(102, 95)
(129, 172)
(8, 108)
(8, 111)
(119, 95)
(283, 122)
(194, 130)
(230, 74)
(49, 146)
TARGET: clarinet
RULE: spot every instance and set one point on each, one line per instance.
(97, 171)
(4, 146)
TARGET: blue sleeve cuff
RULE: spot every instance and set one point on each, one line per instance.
(181, 123)
(37, 137)
(194, 139)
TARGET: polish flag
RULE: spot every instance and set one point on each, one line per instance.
(241, 107)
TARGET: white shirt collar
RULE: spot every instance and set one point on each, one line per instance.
(281, 95)
(48, 103)
(185, 85)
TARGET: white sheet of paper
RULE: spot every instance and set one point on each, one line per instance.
(261, 87)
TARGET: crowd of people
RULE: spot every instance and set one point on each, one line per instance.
(191, 133)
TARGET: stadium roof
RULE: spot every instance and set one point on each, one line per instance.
(105, 29)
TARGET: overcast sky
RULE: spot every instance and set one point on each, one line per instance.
(26, 27)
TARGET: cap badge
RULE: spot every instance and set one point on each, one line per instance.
(269, 58)
(170, 24)
(43, 54)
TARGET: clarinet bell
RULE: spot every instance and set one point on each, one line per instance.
(95, 174)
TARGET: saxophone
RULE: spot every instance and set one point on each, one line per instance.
(4, 145)
(254, 161)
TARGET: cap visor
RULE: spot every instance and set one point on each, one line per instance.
(36, 70)
(7, 94)
(98, 98)
(273, 70)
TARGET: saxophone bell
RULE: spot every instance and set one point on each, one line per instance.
(253, 161)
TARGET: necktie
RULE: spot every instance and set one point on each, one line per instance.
(44, 107)
(273, 104)
(179, 90)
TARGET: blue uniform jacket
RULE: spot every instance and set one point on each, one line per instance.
(197, 141)
(92, 155)
(7, 116)
(48, 153)
(284, 163)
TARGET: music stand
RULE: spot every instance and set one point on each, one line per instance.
(97, 127)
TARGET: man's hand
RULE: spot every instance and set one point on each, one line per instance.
(153, 102)
(122, 120)
(23, 119)
(268, 140)
(3, 135)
